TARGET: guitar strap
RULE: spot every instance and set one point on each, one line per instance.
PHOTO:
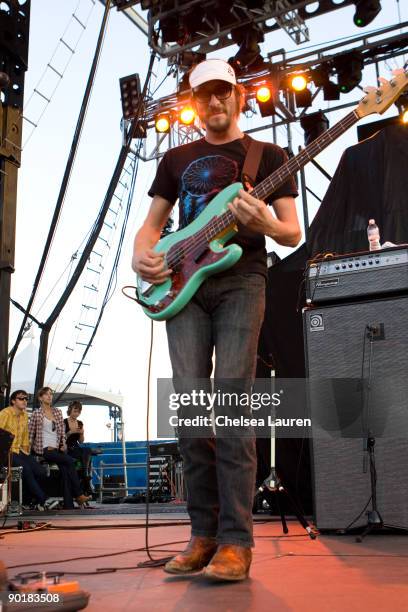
(254, 150)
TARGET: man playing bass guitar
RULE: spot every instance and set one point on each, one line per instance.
(222, 318)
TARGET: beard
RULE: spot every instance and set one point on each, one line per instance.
(218, 124)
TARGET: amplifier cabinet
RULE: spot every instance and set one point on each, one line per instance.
(336, 346)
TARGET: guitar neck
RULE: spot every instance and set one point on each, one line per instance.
(277, 178)
(281, 175)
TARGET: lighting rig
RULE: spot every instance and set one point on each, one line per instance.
(278, 87)
(283, 93)
(174, 26)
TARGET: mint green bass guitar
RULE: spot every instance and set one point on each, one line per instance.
(198, 251)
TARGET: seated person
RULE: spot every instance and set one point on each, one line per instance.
(47, 438)
(74, 432)
(14, 419)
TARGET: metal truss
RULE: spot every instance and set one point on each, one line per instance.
(291, 21)
(372, 49)
(211, 30)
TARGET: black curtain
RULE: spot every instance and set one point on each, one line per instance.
(371, 181)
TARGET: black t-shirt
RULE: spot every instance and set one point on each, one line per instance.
(73, 439)
(196, 172)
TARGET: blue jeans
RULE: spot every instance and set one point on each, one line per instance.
(32, 471)
(225, 315)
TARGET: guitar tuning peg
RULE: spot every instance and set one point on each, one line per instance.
(369, 88)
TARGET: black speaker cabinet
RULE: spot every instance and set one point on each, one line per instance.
(337, 346)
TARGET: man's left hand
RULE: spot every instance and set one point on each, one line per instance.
(252, 213)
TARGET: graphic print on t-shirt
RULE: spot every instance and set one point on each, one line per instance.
(201, 181)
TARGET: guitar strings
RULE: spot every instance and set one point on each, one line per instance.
(215, 226)
(227, 218)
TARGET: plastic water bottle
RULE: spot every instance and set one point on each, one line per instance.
(373, 235)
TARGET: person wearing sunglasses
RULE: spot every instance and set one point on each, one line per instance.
(14, 419)
(223, 318)
(47, 438)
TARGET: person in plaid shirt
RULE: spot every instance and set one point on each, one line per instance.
(47, 438)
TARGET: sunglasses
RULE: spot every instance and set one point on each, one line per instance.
(220, 89)
(23, 399)
(53, 426)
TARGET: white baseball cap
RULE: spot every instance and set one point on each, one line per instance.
(212, 70)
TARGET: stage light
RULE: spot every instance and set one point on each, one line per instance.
(130, 95)
(314, 125)
(303, 98)
(366, 12)
(321, 78)
(298, 82)
(331, 91)
(162, 123)
(265, 101)
(405, 117)
(249, 52)
(320, 75)
(187, 115)
(349, 69)
(263, 93)
(188, 59)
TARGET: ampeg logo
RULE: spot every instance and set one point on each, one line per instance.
(316, 323)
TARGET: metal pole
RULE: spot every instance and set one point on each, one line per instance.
(10, 141)
(304, 200)
(42, 363)
(100, 468)
(124, 450)
(274, 138)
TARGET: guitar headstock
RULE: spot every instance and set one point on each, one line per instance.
(378, 99)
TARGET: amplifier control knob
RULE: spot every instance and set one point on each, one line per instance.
(363, 263)
(350, 265)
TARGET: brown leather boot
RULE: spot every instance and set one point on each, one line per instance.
(82, 499)
(198, 553)
(230, 562)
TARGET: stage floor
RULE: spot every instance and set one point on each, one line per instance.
(292, 572)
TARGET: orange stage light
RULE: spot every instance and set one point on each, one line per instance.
(405, 117)
(298, 82)
(187, 115)
(162, 124)
(263, 93)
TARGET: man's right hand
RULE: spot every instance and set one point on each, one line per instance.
(151, 266)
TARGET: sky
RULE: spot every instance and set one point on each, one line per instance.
(119, 357)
